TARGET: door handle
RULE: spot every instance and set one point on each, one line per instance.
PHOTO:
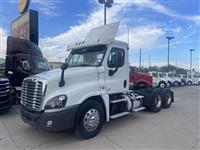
(125, 83)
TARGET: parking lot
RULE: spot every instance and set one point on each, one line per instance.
(174, 128)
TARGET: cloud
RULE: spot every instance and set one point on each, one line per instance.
(48, 7)
(3, 38)
(138, 35)
(154, 5)
(150, 34)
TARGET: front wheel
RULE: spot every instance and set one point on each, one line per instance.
(176, 84)
(189, 83)
(90, 119)
(162, 84)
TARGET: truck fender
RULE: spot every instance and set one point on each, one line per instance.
(102, 99)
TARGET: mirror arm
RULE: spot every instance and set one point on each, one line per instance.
(112, 72)
(62, 81)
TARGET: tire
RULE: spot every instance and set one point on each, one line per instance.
(199, 83)
(162, 84)
(90, 119)
(156, 102)
(176, 83)
(142, 85)
(189, 83)
(166, 98)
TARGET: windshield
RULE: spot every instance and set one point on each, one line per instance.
(89, 56)
(41, 65)
(162, 75)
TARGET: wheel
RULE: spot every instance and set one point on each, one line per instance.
(90, 119)
(142, 85)
(166, 98)
(162, 84)
(176, 83)
(199, 83)
(156, 103)
(189, 83)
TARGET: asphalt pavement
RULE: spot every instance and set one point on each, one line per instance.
(173, 128)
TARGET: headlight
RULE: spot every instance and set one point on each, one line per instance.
(56, 102)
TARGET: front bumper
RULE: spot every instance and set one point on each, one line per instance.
(52, 121)
(5, 102)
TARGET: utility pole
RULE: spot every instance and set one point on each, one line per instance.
(140, 60)
(149, 62)
(128, 34)
(191, 50)
(168, 38)
(107, 4)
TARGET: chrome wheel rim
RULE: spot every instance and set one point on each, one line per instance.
(169, 99)
(91, 120)
(162, 85)
(158, 101)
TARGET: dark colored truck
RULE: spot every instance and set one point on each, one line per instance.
(138, 79)
(23, 58)
(5, 94)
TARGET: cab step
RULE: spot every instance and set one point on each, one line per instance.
(138, 109)
(119, 115)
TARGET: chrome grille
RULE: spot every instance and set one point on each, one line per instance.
(4, 87)
(32, 94)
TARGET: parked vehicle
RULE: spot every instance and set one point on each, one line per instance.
(90, 88)
(177, 81)
(5, 94)
(158, 79)
(168, 77)
(183, 79)
(196, 79)
(189, 80)
(23, 58)
(139, 80)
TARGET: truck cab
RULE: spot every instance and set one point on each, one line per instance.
(90, 88)
(159, 79)
(138, 79)
(23, 59)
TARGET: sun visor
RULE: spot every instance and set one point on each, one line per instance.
(102, 35)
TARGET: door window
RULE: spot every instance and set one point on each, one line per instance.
(23, 64)
(111, 58)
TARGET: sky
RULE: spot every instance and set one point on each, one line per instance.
(64, 22)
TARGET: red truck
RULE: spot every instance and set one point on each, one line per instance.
(139, 79)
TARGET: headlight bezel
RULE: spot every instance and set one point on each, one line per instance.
(56, 102)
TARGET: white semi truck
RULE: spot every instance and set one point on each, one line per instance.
(90, 88)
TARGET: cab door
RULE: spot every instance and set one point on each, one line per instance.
(117, 70)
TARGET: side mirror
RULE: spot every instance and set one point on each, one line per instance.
(64, 66)
(62, 80)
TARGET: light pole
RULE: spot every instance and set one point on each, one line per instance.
(107, 4)
(191, 50)
(140, 61)
(168, 38)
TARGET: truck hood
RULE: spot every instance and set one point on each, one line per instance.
(75, 78)
(69, 73)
